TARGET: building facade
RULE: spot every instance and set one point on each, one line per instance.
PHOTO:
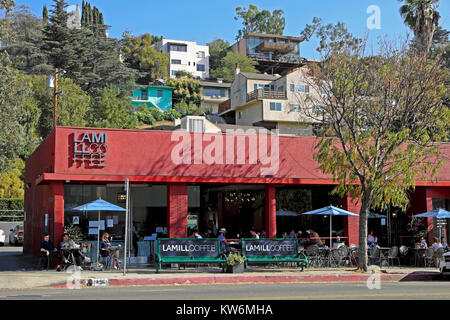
(275, 54)
(214, 93)
(272, 101)
(173, 183)
(153, 97)
(186, 56)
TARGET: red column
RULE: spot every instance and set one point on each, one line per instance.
(177, 210)
(270, 213)
(430, 224)
(57, 209)
(351, 223)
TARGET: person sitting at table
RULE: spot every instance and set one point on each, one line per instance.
(48, 251)
(436, 244)
(105, 249)
(315, 238)
(68, 244)
(372, 240)
(224, 241)
(292, 234)
(444, 243)
(339, 243)
(423, 243)
(197, 235)
(253, 234)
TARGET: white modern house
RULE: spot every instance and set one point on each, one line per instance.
(186, 56)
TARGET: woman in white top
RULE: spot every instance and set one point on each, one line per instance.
(372, 238)
(436, 244)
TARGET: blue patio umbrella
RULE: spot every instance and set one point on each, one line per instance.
(437, 213)
(99, 205)
(330, 211)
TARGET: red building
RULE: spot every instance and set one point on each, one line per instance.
(74, 166)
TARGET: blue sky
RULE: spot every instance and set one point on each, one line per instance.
(206, 20)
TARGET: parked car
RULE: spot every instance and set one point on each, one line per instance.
(444, 266)
(16, 236)
(2, 238)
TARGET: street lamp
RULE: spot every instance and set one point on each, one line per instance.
(52, 82)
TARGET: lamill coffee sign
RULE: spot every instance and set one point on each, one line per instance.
(188, 247)
(90, 148)
(267, 247)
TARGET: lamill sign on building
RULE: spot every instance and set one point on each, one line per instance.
(90, 148)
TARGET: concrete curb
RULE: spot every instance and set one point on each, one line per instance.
(187, 280)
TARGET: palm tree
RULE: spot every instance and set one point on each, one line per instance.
(423, 19)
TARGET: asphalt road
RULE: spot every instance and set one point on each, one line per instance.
(317, 291)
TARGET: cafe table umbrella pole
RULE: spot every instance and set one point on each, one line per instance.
(98, 238)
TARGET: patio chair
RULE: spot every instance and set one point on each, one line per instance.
(343, 255)
(374, 255)
(429, 257)
(314, 256)
(439, 256)
(392, 255)
(403, 253)
(353, 254)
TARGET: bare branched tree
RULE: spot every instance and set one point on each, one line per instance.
(383, 117)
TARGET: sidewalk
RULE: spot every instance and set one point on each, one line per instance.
(16, 273)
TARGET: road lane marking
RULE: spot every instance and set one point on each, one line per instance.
(343, 296)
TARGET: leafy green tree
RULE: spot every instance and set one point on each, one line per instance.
(44, 16)
(187, 109)
(7, 6)
(145, 116)
(140, 55)
(171, 115)
(113, 110)
(217, 51)
(25, 48)
(11, 180)
(101, 63)
(441, 46)
(422, 17)
(58, 40)
(263, 21)
(186, 90)
(72, 108)
(386, 115)
(331, 37)
(227, 69)
(17, 138)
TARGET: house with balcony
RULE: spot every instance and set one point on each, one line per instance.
(187, 56)
(159, 97)
(214, 93)
(275, 54)
(271, 101)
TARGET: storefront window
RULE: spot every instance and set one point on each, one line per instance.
(148, 206)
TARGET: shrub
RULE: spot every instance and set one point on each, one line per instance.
(145, 117)
(171, 115)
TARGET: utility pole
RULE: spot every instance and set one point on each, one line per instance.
(56, 99)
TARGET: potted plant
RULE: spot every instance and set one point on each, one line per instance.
(235, 263)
